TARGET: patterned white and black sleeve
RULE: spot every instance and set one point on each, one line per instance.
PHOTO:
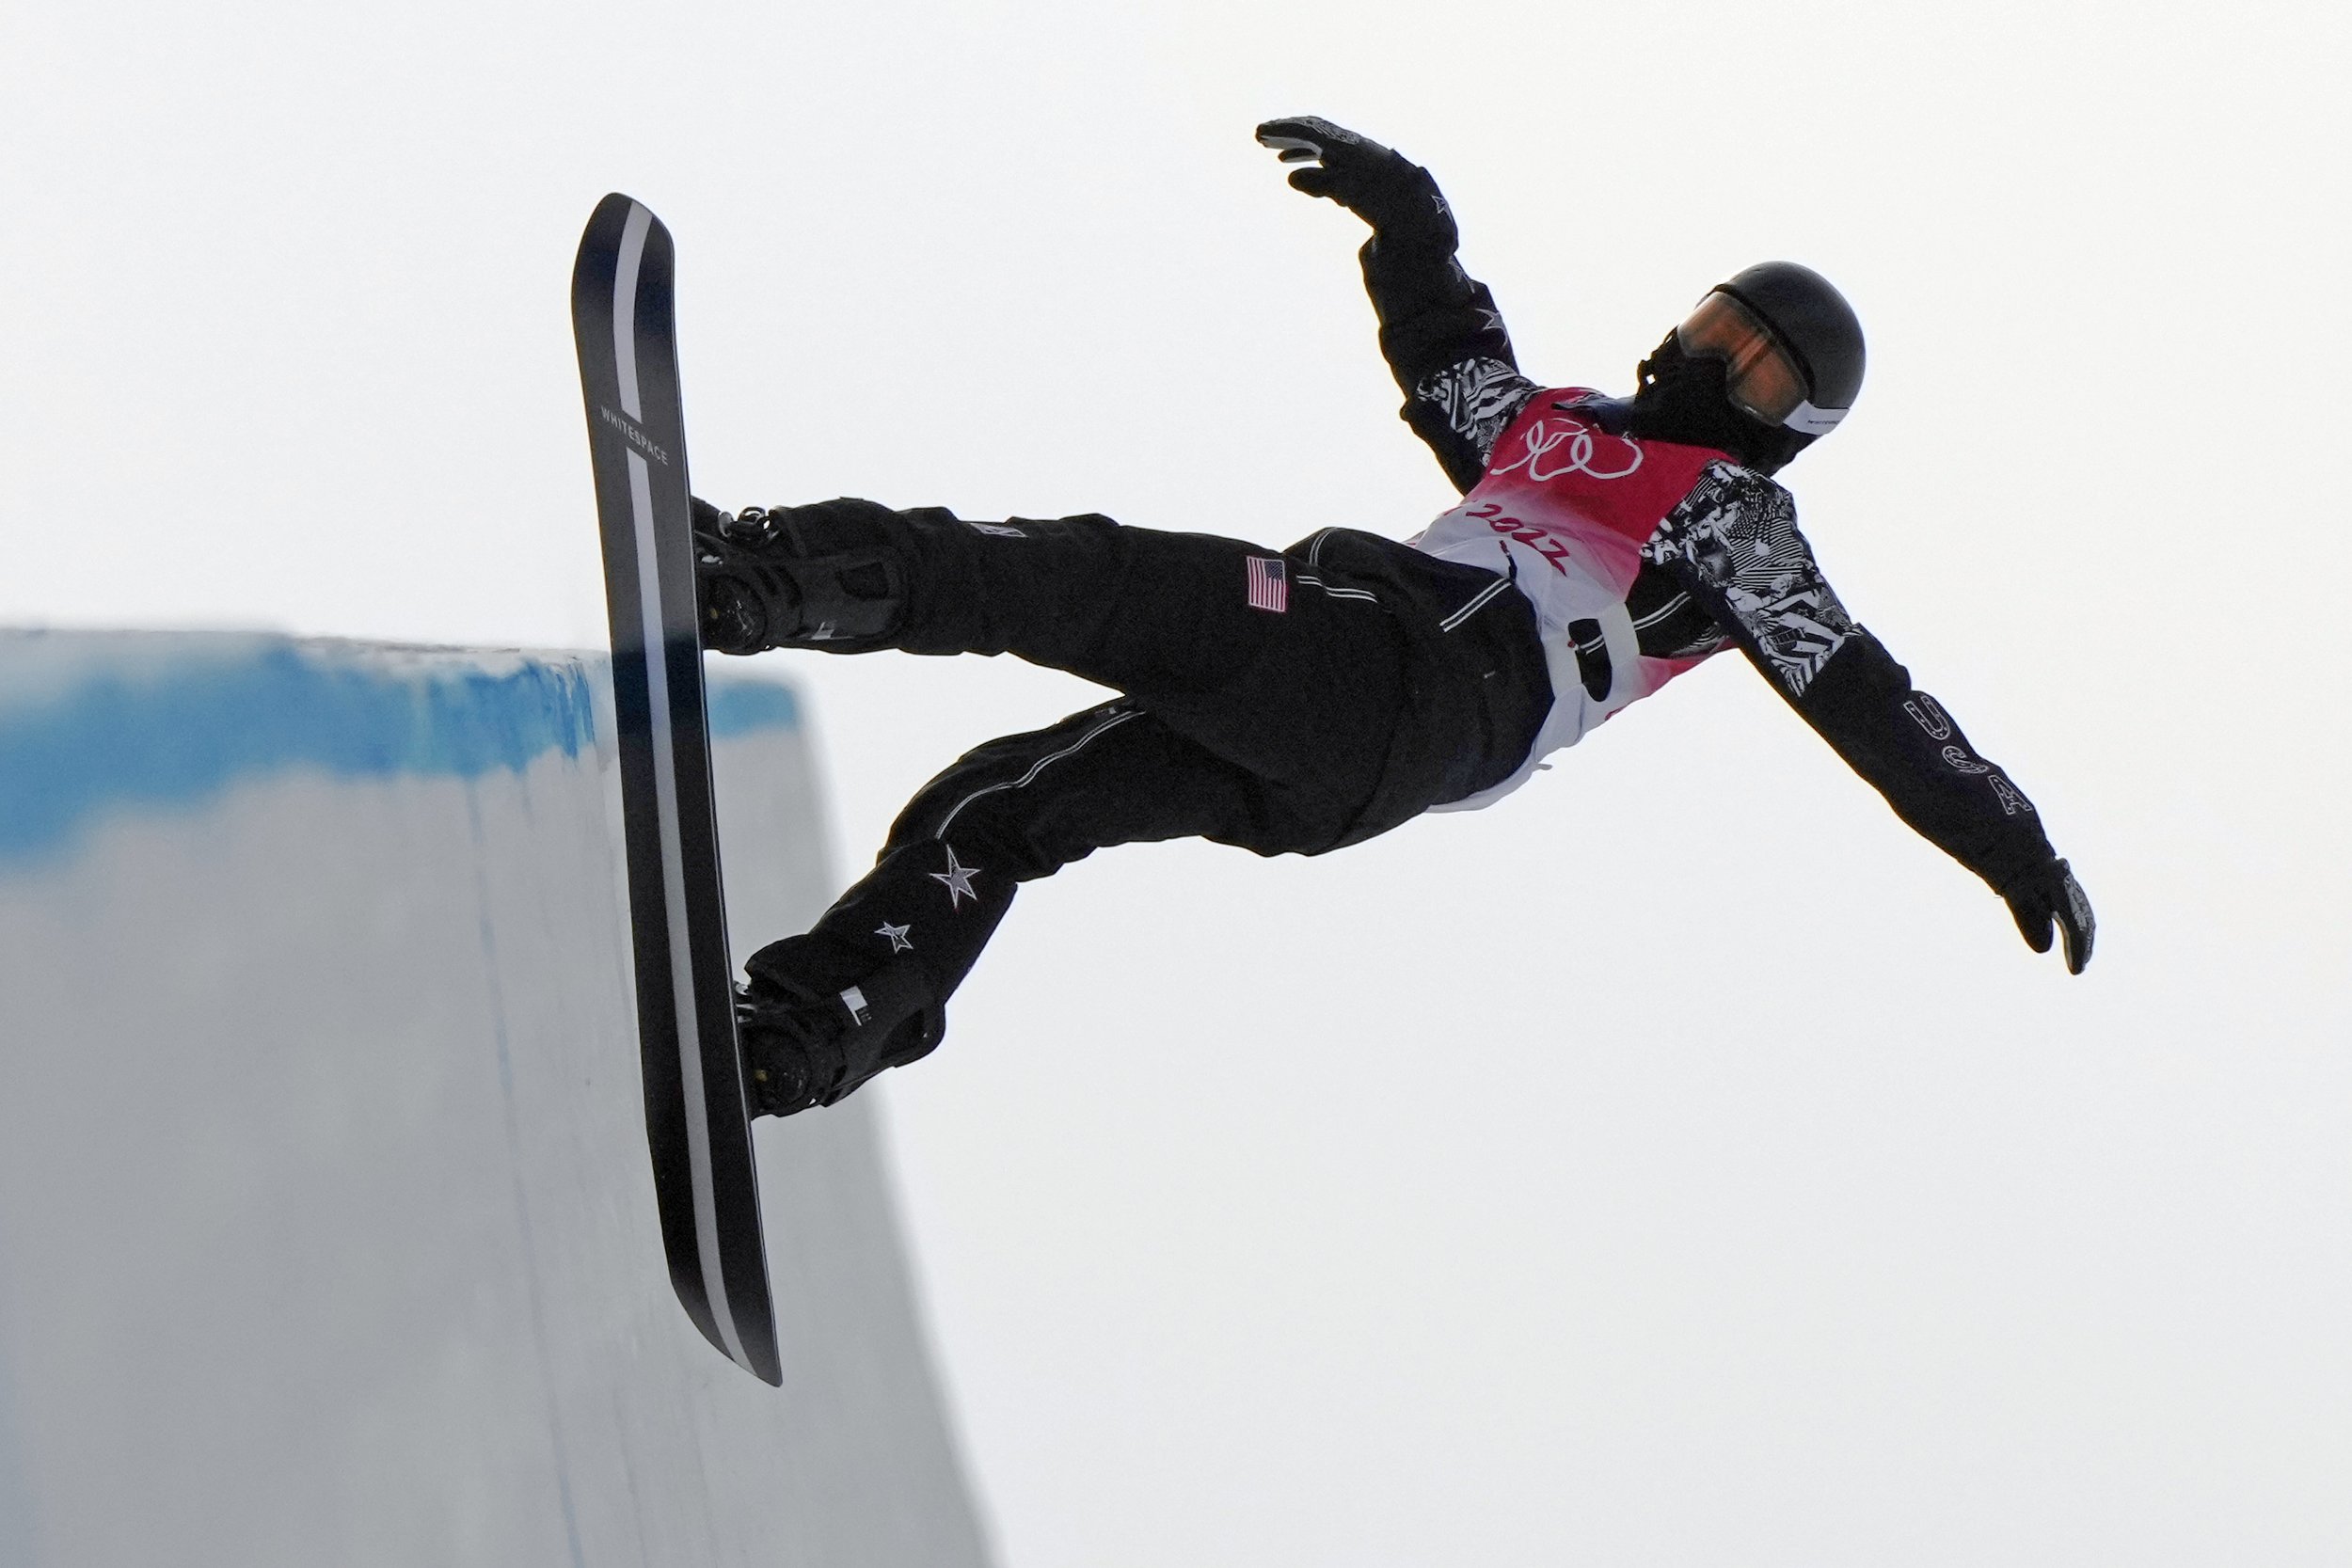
(1733, 545)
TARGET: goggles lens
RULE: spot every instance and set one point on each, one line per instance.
(1761, 378)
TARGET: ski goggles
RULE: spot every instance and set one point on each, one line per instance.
(1760, 374)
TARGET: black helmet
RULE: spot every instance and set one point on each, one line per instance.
(1811, 320)
(1765, 365)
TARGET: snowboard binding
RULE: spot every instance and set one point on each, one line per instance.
(767, 579)
(802, 1048)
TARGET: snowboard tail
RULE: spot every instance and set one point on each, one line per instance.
(697, 1116)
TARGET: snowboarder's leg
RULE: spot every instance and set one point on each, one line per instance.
(1141, 611)
(1262, 658)
(865, 988)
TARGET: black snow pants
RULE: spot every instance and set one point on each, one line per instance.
(1287, 703)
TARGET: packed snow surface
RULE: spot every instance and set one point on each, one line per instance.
(326, 1229)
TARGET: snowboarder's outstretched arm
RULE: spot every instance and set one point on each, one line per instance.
(1733, 545)
(1440, 330)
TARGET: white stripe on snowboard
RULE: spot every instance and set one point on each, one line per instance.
(665, 787)
(625, 310)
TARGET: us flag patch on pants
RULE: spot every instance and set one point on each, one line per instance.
(1269, 584)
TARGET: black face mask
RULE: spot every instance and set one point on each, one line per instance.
(1683, 400)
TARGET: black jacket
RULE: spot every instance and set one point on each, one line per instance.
(1702, 586)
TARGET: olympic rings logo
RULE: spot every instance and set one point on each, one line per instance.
(1546, 437)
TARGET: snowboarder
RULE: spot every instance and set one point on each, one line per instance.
(1296, 702)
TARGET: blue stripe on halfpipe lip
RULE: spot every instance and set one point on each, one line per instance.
(92, 723)
(739, 707)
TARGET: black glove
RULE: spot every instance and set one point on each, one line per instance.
(2055, 895)
(1386, 189)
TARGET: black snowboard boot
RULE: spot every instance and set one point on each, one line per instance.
(804, 1048)
(796, 576)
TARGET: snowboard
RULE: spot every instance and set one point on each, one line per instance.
(698, 1122)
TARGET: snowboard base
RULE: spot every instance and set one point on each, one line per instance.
(697, 1116)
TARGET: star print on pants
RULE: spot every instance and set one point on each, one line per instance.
(898, 935)
(957, 878)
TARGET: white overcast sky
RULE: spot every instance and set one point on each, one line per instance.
(1679, 1164)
